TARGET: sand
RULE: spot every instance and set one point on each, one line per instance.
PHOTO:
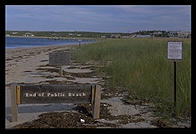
(21, 65)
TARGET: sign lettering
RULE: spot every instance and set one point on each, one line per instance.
(55, 93)
(175, 50)
(77, 93)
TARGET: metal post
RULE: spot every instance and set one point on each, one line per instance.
(174, 84)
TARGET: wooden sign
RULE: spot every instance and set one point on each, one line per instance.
(174, 50)
(55, 94)
(59, 58)
(40, 94)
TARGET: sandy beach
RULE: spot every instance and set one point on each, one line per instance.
(30, 65)
(21, 60)
(21, 65)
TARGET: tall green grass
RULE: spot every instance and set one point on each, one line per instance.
(141, 67)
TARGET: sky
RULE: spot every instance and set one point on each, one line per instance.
(98, 18)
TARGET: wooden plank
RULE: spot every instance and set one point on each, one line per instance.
(93, 94)
(96, 105)
(61, 71)
(14, 106)
(18, 94)
(77, 93)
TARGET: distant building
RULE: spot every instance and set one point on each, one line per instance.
(115, 36)
(183, 34)
(125, 37)
(133, 36)
(157, 33)
(103, 37)
(172, 34)
(14, 32)
(28, 35)
(142, 36)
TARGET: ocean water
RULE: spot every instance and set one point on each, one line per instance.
(19, 42)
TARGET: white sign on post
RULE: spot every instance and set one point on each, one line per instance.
(174, 50)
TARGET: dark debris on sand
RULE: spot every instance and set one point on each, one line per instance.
(81, 118)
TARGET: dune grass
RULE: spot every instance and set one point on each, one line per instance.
(140, 66)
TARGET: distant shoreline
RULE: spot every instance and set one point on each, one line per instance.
(55, 38)
(28, 36)
(63, 42)
(37, 47)
(32, 47)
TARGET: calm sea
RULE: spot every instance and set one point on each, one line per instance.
(18, 42)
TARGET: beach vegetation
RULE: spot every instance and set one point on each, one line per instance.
(140, 66)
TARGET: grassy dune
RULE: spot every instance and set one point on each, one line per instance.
(141, 67)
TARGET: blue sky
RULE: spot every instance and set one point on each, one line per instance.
(98, 18)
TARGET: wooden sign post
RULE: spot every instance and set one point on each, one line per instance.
(14, 105)
(96, 97)
(61, 71)
(174, 53)
(59, 58)
(41, 94)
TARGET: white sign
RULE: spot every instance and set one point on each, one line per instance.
(174, 50)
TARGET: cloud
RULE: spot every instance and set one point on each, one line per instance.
(110, 17)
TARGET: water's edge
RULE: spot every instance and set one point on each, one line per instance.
(23, 42)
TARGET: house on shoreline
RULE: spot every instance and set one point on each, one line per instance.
(28, 35)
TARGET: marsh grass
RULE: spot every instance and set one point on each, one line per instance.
(141, 67)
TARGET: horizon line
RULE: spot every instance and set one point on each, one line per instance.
(95, 31)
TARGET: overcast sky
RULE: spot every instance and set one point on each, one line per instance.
(98, 18)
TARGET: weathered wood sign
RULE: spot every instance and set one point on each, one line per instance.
(59, 58)
(174, 50)
(54, 94)
(40, 94)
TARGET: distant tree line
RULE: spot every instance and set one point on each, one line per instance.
(84, 34)
(64, 34)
